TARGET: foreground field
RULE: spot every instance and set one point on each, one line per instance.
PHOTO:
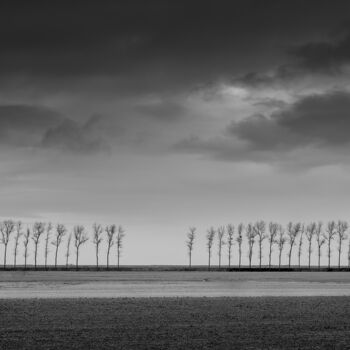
(176, 323)
(75, 284)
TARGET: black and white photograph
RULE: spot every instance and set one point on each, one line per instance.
(174, 174)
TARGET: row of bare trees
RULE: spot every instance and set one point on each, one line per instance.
(293, 236)
(55, 235)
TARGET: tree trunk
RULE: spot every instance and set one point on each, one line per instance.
(108, 250)
(240, 258)
(329, 254)
(279, 259)
(219, 257)
(35, 254)
(270, 253)
(319, 258)
(229, 257)
(5, 253)
(96, 256)
(56, 256)
(118, 258)
(15, 259)
(77, 258)
(309, 255)
(339, 255)
(290, 255)
(209, 260)
(190, 262)
(260, 248)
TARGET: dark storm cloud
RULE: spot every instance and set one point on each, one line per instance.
(24, 124)
(155, 44)
(162, 110)
(314, 122)
(317, 119)
(73, 137)
(324, 56)
(39, 126)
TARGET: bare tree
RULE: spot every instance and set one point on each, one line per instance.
(239, 240)
(38, 230)
(60, 232)
(19, 233)
(110, 231)
(310, 233)
(329, 236)
(68, 249)
(302, 230)
(47, 238)
(292, 234)
(191, 235)
(320, 241)
(210, 241)
(259, 229)
(6, 228)
(342, 227)
(230, 238)
(120, 238)
(250, 233)
(25, 244)
(273, 229)
(281, 240)
(97, 239)
(80, 237)
(221, 242)
(349, 255)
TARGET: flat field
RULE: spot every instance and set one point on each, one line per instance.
(176, 323)
(93, 284)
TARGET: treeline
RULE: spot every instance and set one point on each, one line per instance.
(272, 236)
(29, 237)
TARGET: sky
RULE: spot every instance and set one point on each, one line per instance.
(161, 115)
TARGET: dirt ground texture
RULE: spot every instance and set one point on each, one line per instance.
(94, 284)
(176, 323)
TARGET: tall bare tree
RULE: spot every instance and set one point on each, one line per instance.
(259, 229)
(47, 239)
(119, 241)
(191, 235)
(38, 230)
(69, 240)
(250, 233)
(230, 238)
(273, 229)
(110, 231)
(329, 236)
(320, 241)
(25, 244)
(221, 242)
(80, 237)
(6, 227)
(97, 239)
(292, 234)
(60, 232)
(301, 241)
(239, 240)
(19, 233)
(210, 241)
(342, 227)
(281, 240)
(310, 233)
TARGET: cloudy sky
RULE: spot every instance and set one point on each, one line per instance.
(161, 115)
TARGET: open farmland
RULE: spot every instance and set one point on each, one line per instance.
(93, 284)
(176, 323)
